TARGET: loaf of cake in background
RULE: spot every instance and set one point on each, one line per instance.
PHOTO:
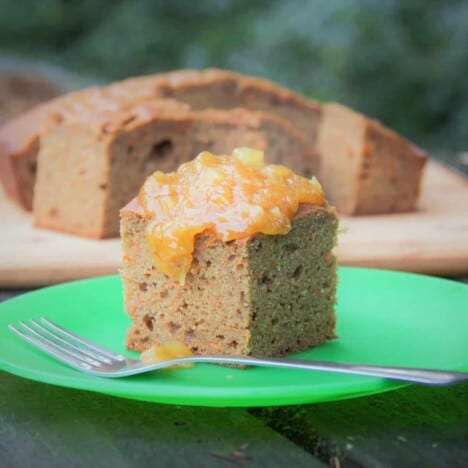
(365, 167)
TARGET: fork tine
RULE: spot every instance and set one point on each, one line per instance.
(52, 350)
(68, 351)
(68, 344)
(93, 346)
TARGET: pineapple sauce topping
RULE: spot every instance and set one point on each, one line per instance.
(166, 352)
(230, 197)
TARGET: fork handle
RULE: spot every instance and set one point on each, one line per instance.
(404, 374)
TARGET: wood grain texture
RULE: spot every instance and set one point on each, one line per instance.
(46, 427)
(412, 427)
(433, 240)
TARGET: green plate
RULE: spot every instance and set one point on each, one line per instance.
(384, 317)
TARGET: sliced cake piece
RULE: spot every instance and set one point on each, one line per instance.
(261, 294)
(265, 295)
(365, 167)
(19, 146)
(20, 138)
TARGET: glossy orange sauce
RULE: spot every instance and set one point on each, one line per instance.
(230, 197)
(166, 352)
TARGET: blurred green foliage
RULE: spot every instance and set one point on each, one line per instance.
(402, 61)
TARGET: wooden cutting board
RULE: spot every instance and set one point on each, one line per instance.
(433, 240)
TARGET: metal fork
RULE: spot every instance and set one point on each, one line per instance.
(92, 359)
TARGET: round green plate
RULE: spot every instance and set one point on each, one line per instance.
(384, 317)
